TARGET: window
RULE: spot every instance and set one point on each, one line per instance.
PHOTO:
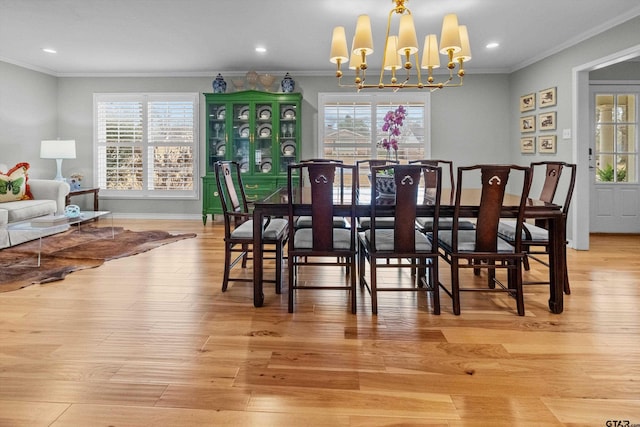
(146, 145)
(616, 137)
(350, 125)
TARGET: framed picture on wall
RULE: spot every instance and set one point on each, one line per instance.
(547, 121)
(547, 144)
(528, 102)
(528, 145)
(547, 97)
(528, 124)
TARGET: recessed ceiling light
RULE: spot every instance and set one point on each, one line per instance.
(49, 50)
(492, 45)
(261, 49)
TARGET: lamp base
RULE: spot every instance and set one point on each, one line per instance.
(59, 176)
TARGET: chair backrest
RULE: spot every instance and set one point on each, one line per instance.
(447, 167)
(228, 176)
(304, 179)
(494, 180)
(408, 179)
(553, 172)
(324, 197)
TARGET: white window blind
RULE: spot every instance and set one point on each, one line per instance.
(146, 145)
(350, 126)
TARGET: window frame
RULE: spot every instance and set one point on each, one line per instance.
(376, 100)
(147, 192)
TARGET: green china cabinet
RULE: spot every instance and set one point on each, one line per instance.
(259, 130)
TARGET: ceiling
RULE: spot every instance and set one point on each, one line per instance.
(204, 37)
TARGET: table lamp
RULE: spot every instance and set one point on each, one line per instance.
(59, 150)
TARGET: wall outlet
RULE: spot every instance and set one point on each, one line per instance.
(566, 133)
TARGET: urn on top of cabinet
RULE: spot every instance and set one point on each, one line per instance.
(219, 85)
(288, 84)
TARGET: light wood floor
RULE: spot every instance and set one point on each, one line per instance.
(150, 340)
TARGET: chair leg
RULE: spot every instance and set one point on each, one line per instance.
(245, 248)
(491, 274)
(435, 286)
(292, 268)
(361, 265)
(567, 288)
(518, 287)
(354, 305)
(373, 285)
(279, 249)
(227, 266)
(455, 286)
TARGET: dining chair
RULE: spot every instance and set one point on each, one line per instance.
(238, 226)
(535, 237)
(481, 247)
(425, 224)
(402, 246)
(309, 246)
(365, 222)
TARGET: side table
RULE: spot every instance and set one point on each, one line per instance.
(84, 191)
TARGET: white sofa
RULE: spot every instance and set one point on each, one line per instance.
(48, 198)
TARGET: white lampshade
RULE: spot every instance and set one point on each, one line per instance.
(450, 36)
(431, 55)
(391, 58)
(354, 60)
(58, 149)
(364, 37)
(339, 46)
(465, 52)
(407, 39)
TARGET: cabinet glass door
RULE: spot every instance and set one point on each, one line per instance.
(241, 136)
(217, 140)
(288, 122)
(263, 161)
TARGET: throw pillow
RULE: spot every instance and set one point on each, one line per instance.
(14, 185)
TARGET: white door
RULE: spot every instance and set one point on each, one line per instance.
(613, 160)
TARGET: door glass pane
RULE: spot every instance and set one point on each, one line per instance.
(263, 161)
(626, 105)
(216, 125)
(240, 136)
(626, 171)
(288, 122)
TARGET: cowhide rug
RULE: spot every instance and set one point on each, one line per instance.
(74, 250)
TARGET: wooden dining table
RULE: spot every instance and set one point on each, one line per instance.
(276, 205)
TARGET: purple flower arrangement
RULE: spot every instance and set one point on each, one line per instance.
(393, 122)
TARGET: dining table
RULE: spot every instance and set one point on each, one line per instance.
(276, 205)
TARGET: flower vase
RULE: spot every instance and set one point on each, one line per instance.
(385, 186)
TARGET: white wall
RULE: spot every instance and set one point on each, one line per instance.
(559, 70)
(28, 114)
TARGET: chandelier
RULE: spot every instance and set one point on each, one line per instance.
(399, 50)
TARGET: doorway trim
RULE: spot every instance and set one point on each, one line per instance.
(582, 131)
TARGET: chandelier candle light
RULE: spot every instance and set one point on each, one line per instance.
(398, 50)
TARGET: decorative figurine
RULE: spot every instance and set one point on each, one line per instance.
(219, 85)
(287, 84)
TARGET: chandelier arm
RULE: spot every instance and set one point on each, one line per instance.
(386, 42)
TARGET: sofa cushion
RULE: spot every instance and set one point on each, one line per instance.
(4, 216)
(14, 185)
(26, 209)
